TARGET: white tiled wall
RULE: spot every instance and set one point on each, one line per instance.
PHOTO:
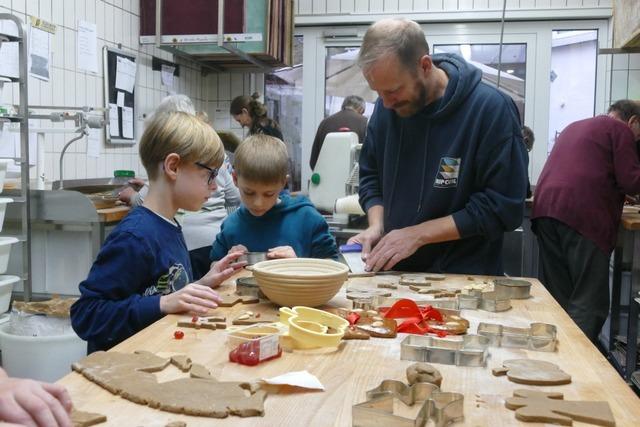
(117, 23)
(322, 7)
(623, 77)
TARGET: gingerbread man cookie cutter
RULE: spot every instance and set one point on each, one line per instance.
(439, 407)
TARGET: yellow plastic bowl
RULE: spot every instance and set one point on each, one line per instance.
(308, 327)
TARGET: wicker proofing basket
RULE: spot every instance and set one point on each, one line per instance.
(306, 282)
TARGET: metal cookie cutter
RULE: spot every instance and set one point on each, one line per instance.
(488, 301)
(492, 301)
(512, 288)
(249, 287)
(537, 337)
(440, 407)
(470, 351)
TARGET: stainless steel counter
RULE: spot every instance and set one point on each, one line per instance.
(67, 232)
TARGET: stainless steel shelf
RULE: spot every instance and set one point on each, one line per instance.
(24, 233)
(9, 38)
(4, 79)
(13, 119)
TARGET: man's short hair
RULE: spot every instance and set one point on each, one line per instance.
(399, 36)
(625, 109)
(180, 133)
(353, 102)
(261, 158)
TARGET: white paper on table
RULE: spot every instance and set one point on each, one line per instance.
(114, 128)
(39, 53)
(301, 379)
(93, 142)
(87, 52)
(127, 122)
(166, 75)
(125, 74)
(120, 99)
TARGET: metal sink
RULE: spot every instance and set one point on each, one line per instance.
(93, 189)
(86, 186)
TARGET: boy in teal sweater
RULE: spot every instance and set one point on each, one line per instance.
(267, 221)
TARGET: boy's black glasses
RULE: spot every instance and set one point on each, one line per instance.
(213, 172)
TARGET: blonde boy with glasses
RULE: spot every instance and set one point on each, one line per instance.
(143, 270)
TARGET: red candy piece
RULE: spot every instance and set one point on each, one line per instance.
(353, 318)
(178, 335)
(194, 319)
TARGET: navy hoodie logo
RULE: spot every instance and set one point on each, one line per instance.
(176, 279)
(448, 171)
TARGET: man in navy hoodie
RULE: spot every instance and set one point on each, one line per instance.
(443, 170)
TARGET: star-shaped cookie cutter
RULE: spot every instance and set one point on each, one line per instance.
(440, 407)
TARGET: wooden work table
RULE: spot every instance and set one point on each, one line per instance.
(113, 214)
(361, 365)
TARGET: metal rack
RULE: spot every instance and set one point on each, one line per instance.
(23, 119)
(226, 54)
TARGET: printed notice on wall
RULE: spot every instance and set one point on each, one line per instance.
(87, 53)
(127, 122)
(114, 128)
(9, 61)
(39, 53)
(120, 99)
(125, 74)
(93, 142)
(166, 75)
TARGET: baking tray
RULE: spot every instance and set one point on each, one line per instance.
(470, 351)
(537, 337)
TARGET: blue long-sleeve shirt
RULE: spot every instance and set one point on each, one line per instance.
(294, 222)
(144, 257)
(461, 155)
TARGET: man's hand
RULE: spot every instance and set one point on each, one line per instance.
(368, 239)
(281, 252)
(222, 270)
(192, 299)
(33, 403)
(393, 248)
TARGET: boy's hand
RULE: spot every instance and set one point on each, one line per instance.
(34, 403)
(193, 299)
(222, 270)
(127, 195)
(238, 248)
(281, 252)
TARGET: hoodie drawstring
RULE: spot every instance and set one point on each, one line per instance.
(424, 167)
(392, 190)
